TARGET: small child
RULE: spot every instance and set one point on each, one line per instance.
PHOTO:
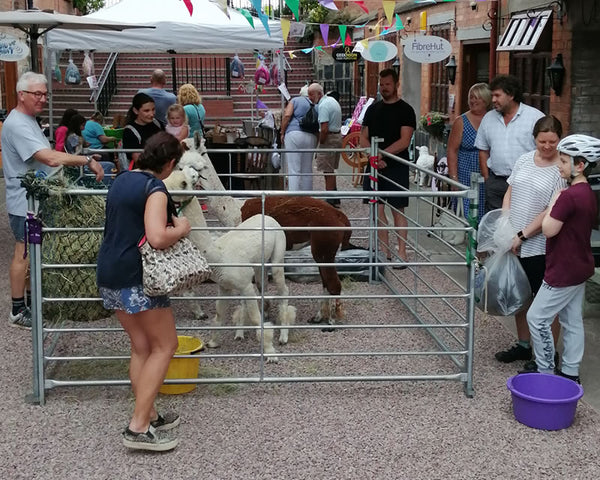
(567, 226)
(177, 124)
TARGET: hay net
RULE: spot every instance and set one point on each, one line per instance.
(59, 209)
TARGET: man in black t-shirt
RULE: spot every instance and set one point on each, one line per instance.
(394, 120)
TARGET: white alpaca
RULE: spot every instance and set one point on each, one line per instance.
(425, 160)
(243, 245)
(225, 207)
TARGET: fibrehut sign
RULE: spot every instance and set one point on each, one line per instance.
(427, 49)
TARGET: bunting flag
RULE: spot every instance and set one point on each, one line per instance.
(285, 29)
(319, 48)
(377, 28)
(257, 4)
(362, 5)
(423, 21)
(293, 6)
(325, 32)
(292, 55)
(222, 4)
(247, 16)
(388, 8)
(328, 4)
(399, 25)
(307, 50)
(260, 104)
(190, 7)
(342, 31)
(348, 42)
(264, 18)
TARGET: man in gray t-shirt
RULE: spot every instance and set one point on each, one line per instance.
(25, 147)
(162, 99)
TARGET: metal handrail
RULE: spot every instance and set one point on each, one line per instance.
(107, 79)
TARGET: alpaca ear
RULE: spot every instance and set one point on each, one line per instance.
(197, 140)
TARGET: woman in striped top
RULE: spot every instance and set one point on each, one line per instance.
(534, 180)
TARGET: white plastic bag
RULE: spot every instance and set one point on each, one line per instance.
(88, 65)
(501, 284)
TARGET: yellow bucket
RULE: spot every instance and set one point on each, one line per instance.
(183, 367)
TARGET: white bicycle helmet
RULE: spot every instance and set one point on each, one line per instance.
(580, 146)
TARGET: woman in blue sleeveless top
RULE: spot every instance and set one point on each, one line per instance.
(463, 156)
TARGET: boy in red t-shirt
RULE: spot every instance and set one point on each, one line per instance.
(569, 262)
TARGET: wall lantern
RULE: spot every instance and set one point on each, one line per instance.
(451, 69)
(361, 66)
(396, 65)
(556, 73)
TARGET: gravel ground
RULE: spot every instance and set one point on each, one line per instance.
(379, 430)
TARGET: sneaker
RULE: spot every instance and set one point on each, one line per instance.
(21, 319)
(165, 422)
(149, 440)
(575, 378)
(516, 352)
(529, 367)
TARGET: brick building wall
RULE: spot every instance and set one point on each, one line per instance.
(62, 6)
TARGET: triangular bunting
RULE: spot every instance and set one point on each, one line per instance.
(342, 31)
(247, 16)
(362, 5)
(328, 4)
(399, 25)
(264, 18)
(293, 6)
(348, 41)
(388, 8)
(260, 104)
(285, 29)
(325, 32)
(190, 7)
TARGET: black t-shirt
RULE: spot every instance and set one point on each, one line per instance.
(385, 120)
(131, 140)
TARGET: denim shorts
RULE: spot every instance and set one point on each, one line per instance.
(17, 225)
(131, 299)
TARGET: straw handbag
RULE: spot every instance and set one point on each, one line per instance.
(178, 267)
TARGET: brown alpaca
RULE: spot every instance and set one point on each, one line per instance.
(311, 212)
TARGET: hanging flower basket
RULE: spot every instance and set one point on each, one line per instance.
(434, 123)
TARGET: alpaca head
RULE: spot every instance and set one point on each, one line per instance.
(423, 150)
(183, 179)
(204, 169)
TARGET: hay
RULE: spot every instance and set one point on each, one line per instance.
(58, 209)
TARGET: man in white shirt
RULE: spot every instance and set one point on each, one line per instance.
(330, 121)
(25, 147)
(505, 133)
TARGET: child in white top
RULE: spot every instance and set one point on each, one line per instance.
(177, 124)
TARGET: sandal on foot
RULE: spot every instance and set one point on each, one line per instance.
(148, 441)
(165, 422)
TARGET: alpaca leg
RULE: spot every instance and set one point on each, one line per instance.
(253, 314)
(332, 286)
(221, 308)
(286, 314)
(258, 280)
(240, 315)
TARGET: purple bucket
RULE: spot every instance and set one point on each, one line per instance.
(542, 401)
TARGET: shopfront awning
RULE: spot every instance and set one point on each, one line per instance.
(524, 31)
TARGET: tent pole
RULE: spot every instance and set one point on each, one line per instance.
(33, 40)
(48, 74)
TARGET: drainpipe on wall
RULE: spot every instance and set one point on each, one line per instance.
(493, 15)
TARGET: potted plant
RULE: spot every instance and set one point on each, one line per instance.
(434, 123)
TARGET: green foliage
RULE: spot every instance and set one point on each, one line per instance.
(88, 6)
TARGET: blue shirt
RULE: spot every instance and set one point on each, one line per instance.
(162, 101)
(301, 106)
(92, 132)
(119, 260)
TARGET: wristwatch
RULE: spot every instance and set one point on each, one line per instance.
(88, 159)
(521, 235)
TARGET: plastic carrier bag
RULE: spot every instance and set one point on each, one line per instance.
(262, 76)
(501, 285)
(274, 72)
(72, 76)
(88, 65)
(237, 67)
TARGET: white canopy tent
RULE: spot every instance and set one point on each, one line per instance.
(207, 30)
